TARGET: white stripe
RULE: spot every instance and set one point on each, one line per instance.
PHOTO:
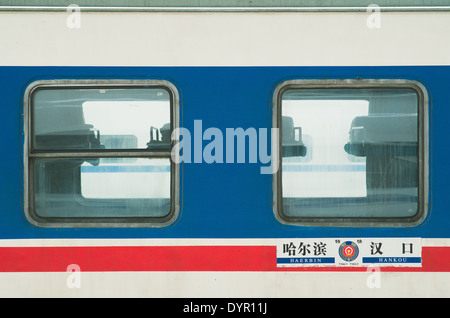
(226, 284)
(135, 242)
(426, 242)
(224, 39)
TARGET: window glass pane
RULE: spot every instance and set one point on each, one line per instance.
(106, 118)
(91, 188)
(360, 154)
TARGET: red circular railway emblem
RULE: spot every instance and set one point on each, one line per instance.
(348, 251)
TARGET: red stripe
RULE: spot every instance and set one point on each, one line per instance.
(177, 258)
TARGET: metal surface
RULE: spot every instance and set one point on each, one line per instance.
(231, 6)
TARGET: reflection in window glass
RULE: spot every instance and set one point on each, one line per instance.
(90, 118)
(138, 119)
(325, 174)
(101, 154)
(363, 153)
(73, 187)
(142, 178)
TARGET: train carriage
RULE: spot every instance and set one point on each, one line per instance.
(204, 149)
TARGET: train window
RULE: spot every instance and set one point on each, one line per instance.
(97, 153)
(367, 152)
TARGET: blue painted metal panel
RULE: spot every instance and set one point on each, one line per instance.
(221, 200)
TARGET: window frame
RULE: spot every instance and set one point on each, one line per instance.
(423, 153)
(29, 155)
